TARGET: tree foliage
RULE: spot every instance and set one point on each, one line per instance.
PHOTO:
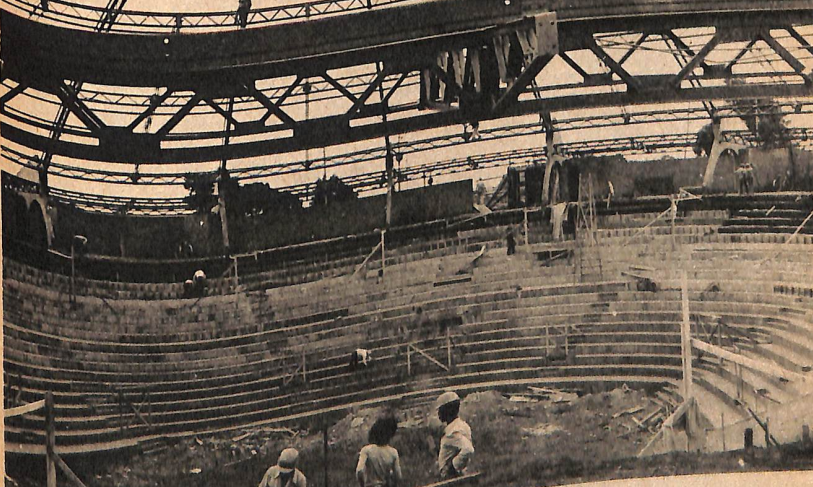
(201, 187)
(764, 120)
(332, 190)
(259, 199)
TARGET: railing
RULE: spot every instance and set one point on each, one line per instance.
(52, 458)
(86, 17)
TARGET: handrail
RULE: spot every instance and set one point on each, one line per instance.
(86, 17)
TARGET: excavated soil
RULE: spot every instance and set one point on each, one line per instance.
(535, 438)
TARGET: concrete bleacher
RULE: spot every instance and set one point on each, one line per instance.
(236, 358)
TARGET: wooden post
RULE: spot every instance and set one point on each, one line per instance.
(722, 426)
(448, 349)
(686, 340)
(324, 438)
(547, 341)
(236, 276)
(525, 213)
(73, 273)
(383, 254)
(767, 432)
(304, 367)
(409, 361)
(50, 440)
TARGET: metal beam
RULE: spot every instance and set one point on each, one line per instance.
(271, 106)
(405, 125)
(528, 74)
(786, 56)
(699, 58)
(612, 65)
(339, 87)
(154, 104)
(179, 115)
(633, 48)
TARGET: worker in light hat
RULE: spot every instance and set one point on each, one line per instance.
(284, 473)
(456, 448)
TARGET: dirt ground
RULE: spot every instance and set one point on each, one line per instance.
(536, 438)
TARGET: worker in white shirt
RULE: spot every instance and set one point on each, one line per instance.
(456, 448)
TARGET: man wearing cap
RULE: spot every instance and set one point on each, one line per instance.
(456, 448)
(284, 473)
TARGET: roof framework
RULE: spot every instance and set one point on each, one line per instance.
(148, 101)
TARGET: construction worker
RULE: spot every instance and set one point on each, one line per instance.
(243, 8)
(379, 465)
(284, 473)
(456, 448)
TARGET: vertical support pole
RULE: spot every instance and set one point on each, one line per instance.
(767, 432)
(448, 349)
(324, 443)
(304, 367)
(73, 272)
(686, 340)
(547, 341)
(50, 440)
(409, 359)
(722, 427)
(567, 348)
(673, 211)
(383, 254)
(525, 214)
(236, 276)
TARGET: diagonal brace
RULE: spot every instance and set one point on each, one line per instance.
(799, 38)
(361, 100)
(573, 64)
(612, 64)
(786, 56)
(523, 80)
(288, 92)
(697, 59)
(683, 47)
(633, 48)
(78, 108)
(395, 86)
(339, 87)
(150, 109)
(179, 115)
(11, 94)
(229, 118)
(270, 105)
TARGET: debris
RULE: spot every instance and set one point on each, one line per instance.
(521, 399)
(555, 396)
(633, 410)
(651, 415)
(241, 437)
(409, 423)
(280, 430)
(357, 422)
(542, 429)
(195, 471)
(198, 441)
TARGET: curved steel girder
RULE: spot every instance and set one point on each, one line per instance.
(404, 35)
(400, 126)
(74, 15)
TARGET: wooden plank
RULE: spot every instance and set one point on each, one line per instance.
(685, 340)
(26, 408)
(753, 364)
(465, 479)
(76, 481)
(429, 357)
